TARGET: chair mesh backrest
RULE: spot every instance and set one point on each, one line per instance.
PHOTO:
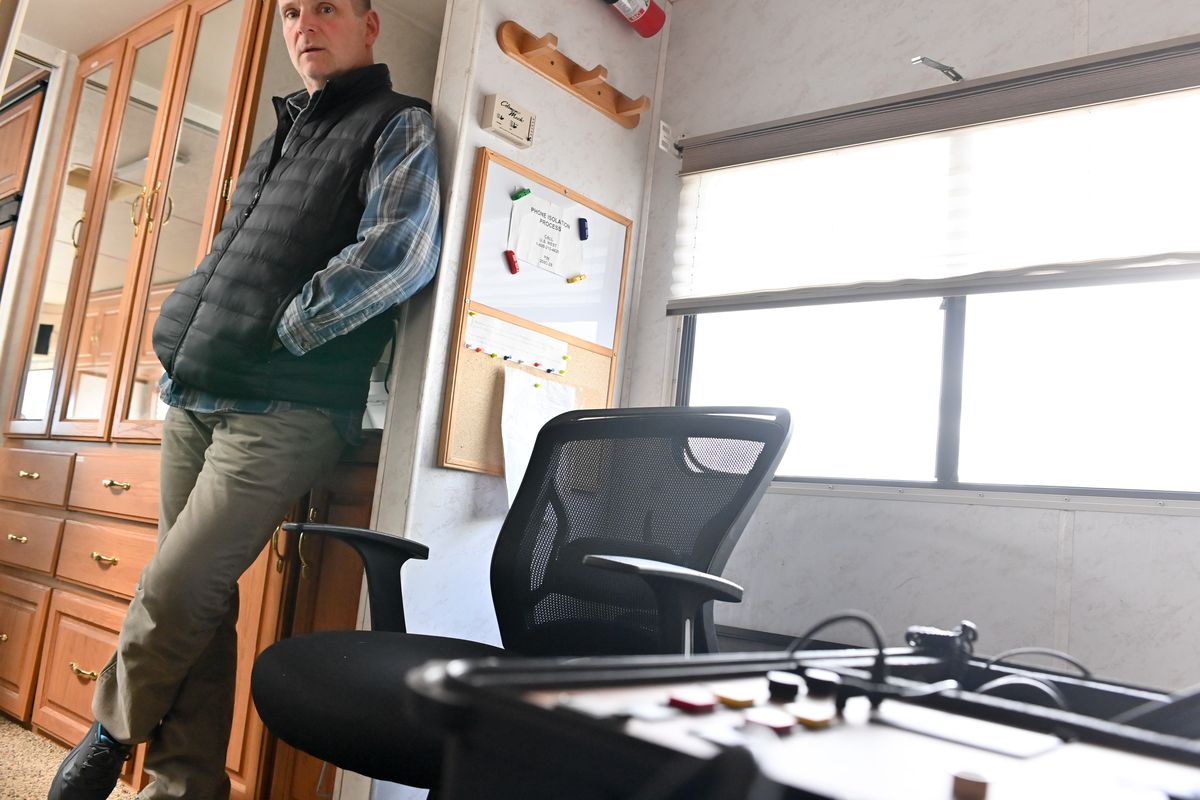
(672, 484)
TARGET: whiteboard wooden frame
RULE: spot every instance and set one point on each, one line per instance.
(455, 428)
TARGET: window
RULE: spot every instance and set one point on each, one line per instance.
(1008, 303)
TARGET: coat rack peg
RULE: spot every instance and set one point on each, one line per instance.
(584, 78)
(537, 46)
(633, 108)
(541, 54)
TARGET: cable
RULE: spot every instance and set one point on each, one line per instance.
(1020, 680)
(1040, 651)
(879, 669)
(930, 689)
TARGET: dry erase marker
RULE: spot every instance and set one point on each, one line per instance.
(513, 266)
(577, 278)
(517, 195)
(583, 231)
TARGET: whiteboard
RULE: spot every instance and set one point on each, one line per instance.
(587, 309)
(533, 321)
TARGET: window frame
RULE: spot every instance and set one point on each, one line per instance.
(949, 422)
(1120, 75)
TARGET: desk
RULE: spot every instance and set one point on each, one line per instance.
(556, 729)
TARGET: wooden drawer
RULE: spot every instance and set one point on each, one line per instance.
(23, 607)
(109, 557)
(81, 635)
(119, 481)
(35, 476)
(29, 540)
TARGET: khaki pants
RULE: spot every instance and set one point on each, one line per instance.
(227, 481)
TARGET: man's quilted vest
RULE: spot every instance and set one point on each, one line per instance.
(290, 214)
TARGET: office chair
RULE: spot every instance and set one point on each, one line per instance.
(613, 545)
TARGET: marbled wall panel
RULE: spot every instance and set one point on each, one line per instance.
(459, 513)
(1114, 24)
(409, 49)
(905, 563)
(740, 64)
(1135, 597)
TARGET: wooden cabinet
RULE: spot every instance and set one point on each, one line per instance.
(122, 482)
(81, 634)
(18, 124)
(35, 476)
(70, 559)
(23, 606)
(327, 579)
(19, 119)
(108, 557)
(158, 124)
(29, 540)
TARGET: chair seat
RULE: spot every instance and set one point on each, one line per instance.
(310, 677)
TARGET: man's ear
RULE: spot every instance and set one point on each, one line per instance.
(372, 19)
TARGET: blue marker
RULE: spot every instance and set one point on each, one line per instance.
(583, 232)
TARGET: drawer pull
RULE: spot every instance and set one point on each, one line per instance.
(3, 638)
(99, 559)
(84, 673)
(109, 483)
(12, 537)
(33, 476)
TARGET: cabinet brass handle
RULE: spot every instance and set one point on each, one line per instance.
(12, 537)
(150, 207)
(33, 476)
(136, 206)
(109, 483)
(102, 559)
(83, 673)
(3, 638)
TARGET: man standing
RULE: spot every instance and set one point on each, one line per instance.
(268, 347)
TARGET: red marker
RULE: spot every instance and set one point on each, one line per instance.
(513, 266)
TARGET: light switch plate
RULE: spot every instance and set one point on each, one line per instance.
(508, 120)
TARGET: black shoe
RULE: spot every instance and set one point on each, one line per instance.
(90, 771)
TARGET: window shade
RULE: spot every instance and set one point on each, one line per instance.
(1134, 72)
(1094, 192)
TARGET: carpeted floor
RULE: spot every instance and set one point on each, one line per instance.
(28, 762)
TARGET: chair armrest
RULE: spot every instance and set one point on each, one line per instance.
(717, 588)
(681, 594)
(383, 556)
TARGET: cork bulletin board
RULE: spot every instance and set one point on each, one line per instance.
(538, 315)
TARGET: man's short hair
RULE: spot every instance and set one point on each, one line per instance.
(362, 6)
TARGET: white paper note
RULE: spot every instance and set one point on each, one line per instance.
(519, 344)
(542, 235)
(529, 403)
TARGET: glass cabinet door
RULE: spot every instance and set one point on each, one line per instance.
(123, 207)
(187, 205)
(91, 104)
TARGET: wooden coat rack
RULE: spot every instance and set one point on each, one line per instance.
(541, 54)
